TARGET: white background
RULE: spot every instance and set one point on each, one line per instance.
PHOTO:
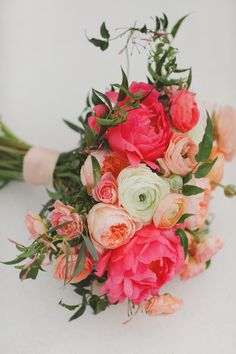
(46, 69)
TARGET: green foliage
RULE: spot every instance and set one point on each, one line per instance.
(96, 170)
(205, 147)
(205, 168)
(184, 217)
(184, 240)
(189, 190)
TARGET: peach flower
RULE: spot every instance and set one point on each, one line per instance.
(60, 268)
(35, 225)
(198, 204)
(110, 226)
(62, 214)
(217, 172)
(192, 269)
(225, 123)
(179, 158)
(169, 211)
(162, 305)
(106, 190)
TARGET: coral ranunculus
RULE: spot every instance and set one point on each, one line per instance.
(169, 211)
(184, 111)
(140, 268)
(146, 133)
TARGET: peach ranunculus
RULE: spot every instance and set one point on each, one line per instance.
(225, 125)
(60, 268)
(179, 158)
(184, 111)
(198, 204)
(64, 214)
(169, 211)
(217, 172)
(35, 225)
(162, 305)
(199, 254)
(110, 226)
(106, 190)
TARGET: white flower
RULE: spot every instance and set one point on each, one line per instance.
(140, 191)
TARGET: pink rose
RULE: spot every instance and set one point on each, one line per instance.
(146, 133)
(62, 214)
(198, 204)
(169, 211)
(141, 267)
(60, 268)
(184, 110)
(162, 305)
(86, 172)
(225, 123)
(179, 158)
(106, 190)
(35, 225)
(110, 226)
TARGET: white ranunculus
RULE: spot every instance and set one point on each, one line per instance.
(140, 191)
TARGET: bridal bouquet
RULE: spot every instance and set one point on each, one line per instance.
(129, 210)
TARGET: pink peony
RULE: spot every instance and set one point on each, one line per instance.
(179, 158)
(140, 268)
(106, 190)
(35, 225)
(162, 305)
(146, 134)
(184, 110)
(62, 214)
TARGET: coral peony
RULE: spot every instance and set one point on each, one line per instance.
(140, 268)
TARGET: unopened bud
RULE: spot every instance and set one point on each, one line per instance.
(230, 190)
(176, 183)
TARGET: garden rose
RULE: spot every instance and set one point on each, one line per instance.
(141, 267)
(179, 158)
(64, 213)
(35, 225)
(169, 211)
(225, 124)
(106, 189)
(162, 305)
(184, 110)
(110, 226)
(146, 133)
(60, 268)
(140, 191)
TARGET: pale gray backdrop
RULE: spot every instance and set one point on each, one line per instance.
(46, 69)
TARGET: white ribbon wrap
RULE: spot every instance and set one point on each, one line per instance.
(39, 165)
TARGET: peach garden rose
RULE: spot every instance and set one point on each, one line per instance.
(162, 305)
(35, 225)
(106, 190)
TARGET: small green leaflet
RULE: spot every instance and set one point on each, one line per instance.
(189, 190)
(103, 45)
(205, 168)
(53, 195)
(205, 146)
(124, 84)
(187, 178)
(96, 170)
(74, 127)
(184, 217)
(177, 26)
(68, 307)
(189, 79)
(90, 247)
(80, 260)
(78, 313)
(207, 264)
(104, 31)
(183, 240)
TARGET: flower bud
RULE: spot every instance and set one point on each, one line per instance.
(176, 183)
(230, 190)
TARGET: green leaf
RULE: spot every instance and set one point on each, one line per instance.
(206, 145)
(176, 27)
(78, 313)
(53, 229)
(184, 217)
(187, 178)
(103, 98)
(124, 84)
(183, 240)
(80, 260)
(68, 307)
(96, 170)
(205, 168)
(158, 24)
(74, 127)
(189, 79)
(207, 264)
(53, 195)
(143, 29)
(15, 261)
(90, 247)
(98, 304)
(103, 45)
(189, 190)
(104, 31)
(165, 21)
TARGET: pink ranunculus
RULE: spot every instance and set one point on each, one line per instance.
(140, 268)
(146, 133)
(86, 173)
(62, 214)
(184, 111)
(162, 305)
(60, 268)
(106, 190)
(225, 124)
(179, 158)
(35, 225)
(110, 226)
(198, 204)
